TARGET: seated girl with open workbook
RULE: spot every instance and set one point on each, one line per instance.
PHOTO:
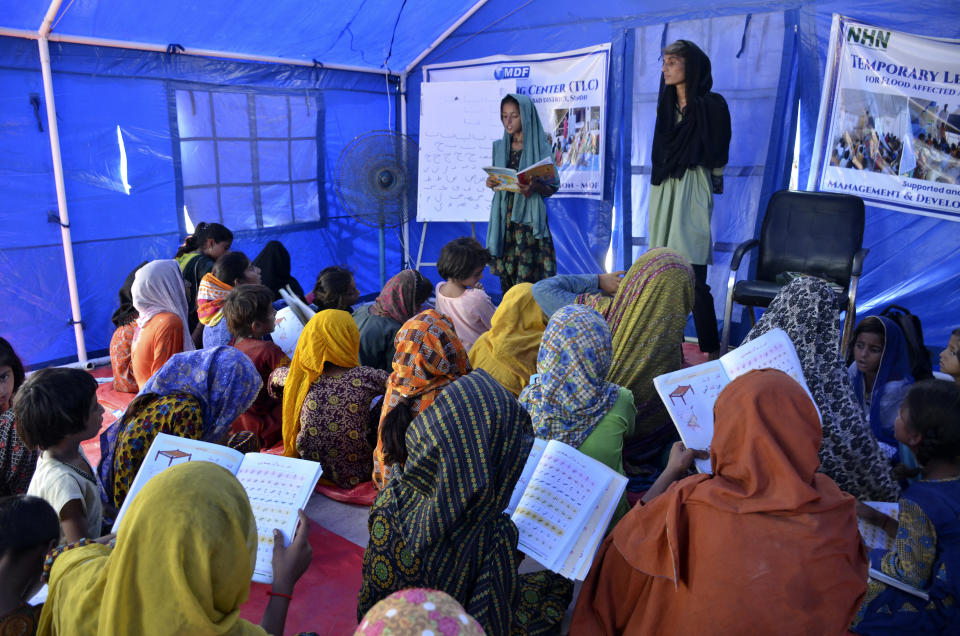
(926, 552)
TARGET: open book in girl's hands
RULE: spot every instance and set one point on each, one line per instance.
(562, 505)
(510, 180)
(689, 394)
(277, 486)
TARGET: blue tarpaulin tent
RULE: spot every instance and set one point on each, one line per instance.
(171, 113)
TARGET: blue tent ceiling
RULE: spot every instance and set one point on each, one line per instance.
(355, 32)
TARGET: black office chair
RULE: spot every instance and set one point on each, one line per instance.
(814, 233)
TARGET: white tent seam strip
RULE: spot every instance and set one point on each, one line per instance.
(162, 48)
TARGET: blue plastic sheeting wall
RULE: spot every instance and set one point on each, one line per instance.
(750, 55)
(363, 33)
(97, 91)
(914, 260)
(581, 228)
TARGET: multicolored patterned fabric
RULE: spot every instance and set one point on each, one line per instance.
(223, 379)
(439, 521)
(17, 462)
(926, 555)
(809, 312)
(508, 351)
(398, 299)
(334, 422)
(418, 611)
(647, 316)
(120, 348)
(223, 382)
(210, 297)
(525, 258)
(428, 357)
(570, 394)
(330, 336)
(182, 563)
(177, 414)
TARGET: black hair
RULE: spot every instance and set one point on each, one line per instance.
(511, 100)
(933, 408)
(955, 332)
(393, 432)
(9, 358)
(870, 324)
(203, 231)
(231, 267)
(27, 522)
(52, 404)
(243, 305)
(332, 284)
(461, 257)
(423, 289)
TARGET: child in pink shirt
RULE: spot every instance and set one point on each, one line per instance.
(461, 297)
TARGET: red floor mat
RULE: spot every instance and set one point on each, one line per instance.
(692, 355)
(325, 599)
(360, 495)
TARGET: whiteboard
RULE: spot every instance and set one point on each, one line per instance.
(459, 122)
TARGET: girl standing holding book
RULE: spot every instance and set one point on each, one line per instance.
(518, 236)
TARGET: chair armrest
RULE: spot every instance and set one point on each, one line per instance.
(742, 249)
(856, 267)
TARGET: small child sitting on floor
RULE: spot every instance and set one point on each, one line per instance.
(461, 297)
(28, 530)
(56, 409)
(250, 316)
(926, 552)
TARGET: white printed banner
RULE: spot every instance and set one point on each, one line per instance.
(889, 126)
(570, 93)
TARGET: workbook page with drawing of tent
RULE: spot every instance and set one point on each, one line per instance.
(277, 486)
(689, 394)
(562, 505)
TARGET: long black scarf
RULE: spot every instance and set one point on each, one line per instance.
(702, 136)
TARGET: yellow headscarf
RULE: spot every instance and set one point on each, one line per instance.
(182, 564)
(330, 336)
(508, 351)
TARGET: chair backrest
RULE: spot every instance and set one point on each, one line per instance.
(812, 232)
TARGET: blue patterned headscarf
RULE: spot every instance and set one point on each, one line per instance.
(570, 394)
(223, 379)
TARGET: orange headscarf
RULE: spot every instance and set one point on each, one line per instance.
(508, 351)
(330, 336)
(764, 545)
(428, 357)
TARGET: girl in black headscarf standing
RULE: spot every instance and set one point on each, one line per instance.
(691, 143)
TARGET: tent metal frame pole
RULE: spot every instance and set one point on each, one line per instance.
(54, 132)
(405, 228)
(403, 78)
(162, 48)
(443, 36)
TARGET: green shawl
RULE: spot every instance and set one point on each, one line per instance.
(531, 211)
